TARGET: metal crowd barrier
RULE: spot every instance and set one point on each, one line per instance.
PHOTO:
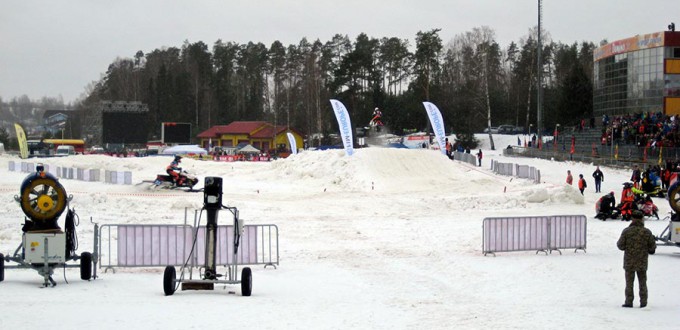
(144, 245)
(118, 177)
(534, 233)
(69, 172)
(520, 171)
(568, 232)
(172, 245)
(465, 157)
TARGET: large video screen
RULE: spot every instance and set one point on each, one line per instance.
(124, 127)
(179, 133)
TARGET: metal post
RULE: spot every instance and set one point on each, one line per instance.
(539, 83)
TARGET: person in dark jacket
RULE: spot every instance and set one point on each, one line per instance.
(599, 178)
(636, 176)
(605, 207)
(638, 243)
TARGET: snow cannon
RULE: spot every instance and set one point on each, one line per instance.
(45, 246)
(212, 204)
(43, 199)
(674, 192)
(671, 235)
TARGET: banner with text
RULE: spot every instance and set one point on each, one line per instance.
(345, 126)
(437, 125)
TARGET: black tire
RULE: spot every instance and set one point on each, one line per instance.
(85, 266)
(169, 277)
(2, 267)
(246, 282)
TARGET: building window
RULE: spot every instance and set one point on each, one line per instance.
(676, 52)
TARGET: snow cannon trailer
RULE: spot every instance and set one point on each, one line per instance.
(44, 245)
(671, 235)
(212, 204)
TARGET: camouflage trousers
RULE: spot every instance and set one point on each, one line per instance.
(642, 283)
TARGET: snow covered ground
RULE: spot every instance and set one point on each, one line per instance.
(385, 239)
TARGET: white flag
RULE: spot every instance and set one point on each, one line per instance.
(345, 126)
(437, 125)
(293, 144)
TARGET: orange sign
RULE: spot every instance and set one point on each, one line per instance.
(645, 41)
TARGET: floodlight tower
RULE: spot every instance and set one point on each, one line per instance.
(539, 81)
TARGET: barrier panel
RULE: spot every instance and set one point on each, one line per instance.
(539, 233)
(171, 245)
(568, 232)
(11, 165)
(528, 172)
(66, 172)
(144, 245)
(118, 177)
(465, 157)
(88, 174)
(515, 234)
(503, 168)
(249, 251)
(520, 171)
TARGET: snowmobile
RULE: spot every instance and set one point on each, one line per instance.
(168, 182)
(651, 185)
(645, 204)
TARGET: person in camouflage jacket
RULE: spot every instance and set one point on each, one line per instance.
(638, 243)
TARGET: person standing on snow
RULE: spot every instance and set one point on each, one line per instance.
(581, 183)
(638, 243)
(636, 176)
(570, 179)
(448, 149)
(599, 178)
(479, 157)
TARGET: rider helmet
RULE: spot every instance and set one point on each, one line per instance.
(178, 158)
(611, 193)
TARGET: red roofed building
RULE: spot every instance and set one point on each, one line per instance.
(259, 134)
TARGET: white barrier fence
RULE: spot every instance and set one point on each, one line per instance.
(82, 174)
(534, 233)
(465, 157)
(520, 171)
(172, 245)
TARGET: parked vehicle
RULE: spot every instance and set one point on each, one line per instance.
(494, 130)
(65, 151)
(506, 129)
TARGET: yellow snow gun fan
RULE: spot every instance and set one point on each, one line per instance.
(44, 245)
(43, 200)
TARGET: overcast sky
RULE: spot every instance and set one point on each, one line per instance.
(56, 47)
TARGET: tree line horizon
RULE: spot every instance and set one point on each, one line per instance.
(471, 79)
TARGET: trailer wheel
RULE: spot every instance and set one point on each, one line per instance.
(674, 196)
(169, 277)
(86, 266)
(2, 267)
(246, 282)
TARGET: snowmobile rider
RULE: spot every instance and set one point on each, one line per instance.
(605, 206)
(174, 170)
(377, 118)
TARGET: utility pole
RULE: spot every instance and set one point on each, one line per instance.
(539, 82)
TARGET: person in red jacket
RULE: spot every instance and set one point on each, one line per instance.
(627, 199)
(581, 183)
(570, 179)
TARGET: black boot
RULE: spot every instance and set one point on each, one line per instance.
(643, 304)
(627, 305)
